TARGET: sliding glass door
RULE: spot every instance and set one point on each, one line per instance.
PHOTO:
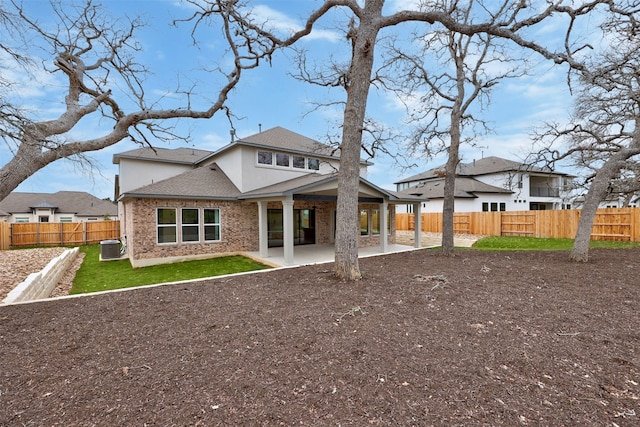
(304, 227)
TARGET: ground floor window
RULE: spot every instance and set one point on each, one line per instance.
(211, 224)
(304, 227)
(190, 225)
(364, 222)
(166, 225)
(369, 222)
(375, 221)
(494, 206)
(194, 225)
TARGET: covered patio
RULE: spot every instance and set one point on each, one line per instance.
(319, 254)
(313, 192)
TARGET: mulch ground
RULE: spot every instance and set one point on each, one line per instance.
(501, 338)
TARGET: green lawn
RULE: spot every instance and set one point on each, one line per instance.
(94, 276)
(497, 243)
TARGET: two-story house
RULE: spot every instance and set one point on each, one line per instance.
(63, 206)
(274, 188)
(492, 184)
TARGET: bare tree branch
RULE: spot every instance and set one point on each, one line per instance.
(92, 51)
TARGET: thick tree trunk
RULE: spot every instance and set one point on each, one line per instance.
(358, 82)
(448, 205)
(596, 193)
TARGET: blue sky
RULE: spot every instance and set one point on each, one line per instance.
(269, 96)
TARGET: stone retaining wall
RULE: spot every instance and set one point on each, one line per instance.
(40, 285)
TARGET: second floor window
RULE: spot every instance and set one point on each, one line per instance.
(265, 158)
(284, 160)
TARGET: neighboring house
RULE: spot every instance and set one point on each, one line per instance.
(63, 206)
(274, 188)
(612, 201)
(492, 184)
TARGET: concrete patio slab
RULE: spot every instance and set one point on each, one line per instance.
(318, 254)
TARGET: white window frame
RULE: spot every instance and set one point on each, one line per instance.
(212, 224)
(174, 225)
(195, 226)
(309, 163)
(258, 157)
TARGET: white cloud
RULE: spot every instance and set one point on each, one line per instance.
(280, 22)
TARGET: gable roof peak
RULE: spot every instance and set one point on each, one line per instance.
(285, 139)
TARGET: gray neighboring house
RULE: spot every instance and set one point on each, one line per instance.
(492, 184)
(276, 188)
(63, 206)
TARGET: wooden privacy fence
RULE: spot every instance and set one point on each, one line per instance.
(62, 233)
(609, 224)
(5, 235)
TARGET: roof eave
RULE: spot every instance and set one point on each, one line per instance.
(172, 196)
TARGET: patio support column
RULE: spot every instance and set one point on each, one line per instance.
(417, 216)
(384, 234)
(263, 229)
(287, 219)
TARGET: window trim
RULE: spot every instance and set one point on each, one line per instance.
(315, 160)
(190, 225)
(375, 214)
(211, 224)
(366, 232)
(309, 163)
(168, 225)
(283, 160)
(270, 153)
(180, 224)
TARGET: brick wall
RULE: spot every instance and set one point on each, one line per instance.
(238, 229)
(374, 239)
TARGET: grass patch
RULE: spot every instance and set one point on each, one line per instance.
(95, 276)
(511, 243)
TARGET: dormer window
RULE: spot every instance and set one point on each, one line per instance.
(298, 162)
(282, 160)
(265, 158)
(313, 164)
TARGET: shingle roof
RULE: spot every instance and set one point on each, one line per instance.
(464, 188)
(182, 155)
(290, 186)
(308, 182)
(77, 202)
(279, 137)
(483, 166)
(205, 182)
(210, 182)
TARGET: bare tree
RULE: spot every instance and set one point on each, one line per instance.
(605, 132)
(367, 20)
(455, 72)
(93, 52)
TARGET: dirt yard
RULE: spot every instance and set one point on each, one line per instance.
(480, 339)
